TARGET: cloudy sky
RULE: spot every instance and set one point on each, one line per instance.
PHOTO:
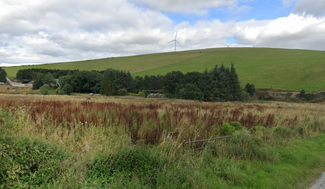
(38, 31)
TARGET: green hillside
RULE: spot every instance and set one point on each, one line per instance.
(265, 67)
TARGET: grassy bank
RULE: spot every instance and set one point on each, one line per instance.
(76, 144)
(266, 68)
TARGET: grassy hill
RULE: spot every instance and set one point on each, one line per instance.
(265, 67)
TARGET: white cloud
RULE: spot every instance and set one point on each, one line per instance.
(63, 30)
(310, 7)
(294, 31)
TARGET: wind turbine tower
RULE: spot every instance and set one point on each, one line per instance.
(175, 41)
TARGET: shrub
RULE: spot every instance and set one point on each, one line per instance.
(28, 163)
(244, 96)
(227, 129)
(237, 125)
(142, 94)
(302, 94)
(250, 89)
(45, 89)
(67, 89)
(122, 92)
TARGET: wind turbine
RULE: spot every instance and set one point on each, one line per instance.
(228, 45)
(175, 40)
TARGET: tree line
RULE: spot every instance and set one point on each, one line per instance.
(218, 84)
(31, 73)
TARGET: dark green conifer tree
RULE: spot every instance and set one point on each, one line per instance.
(3, 75)
(235, 89)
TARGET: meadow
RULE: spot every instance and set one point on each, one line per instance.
(125, 142)
(265, 67)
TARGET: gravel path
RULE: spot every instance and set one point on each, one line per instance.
(14, 84)
(319, 183)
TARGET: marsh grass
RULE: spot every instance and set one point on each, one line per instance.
(108, 144)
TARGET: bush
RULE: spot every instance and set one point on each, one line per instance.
(28, 163)
(67, 89)
(122, 92)
(244, 96)
(237, 125)
(45, 89)
(142, 94)
(227, 129)
(302, 94)
(250, 89)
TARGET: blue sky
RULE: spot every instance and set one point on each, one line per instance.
(258, 10)
(38, 31)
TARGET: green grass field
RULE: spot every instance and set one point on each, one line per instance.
(265, 67)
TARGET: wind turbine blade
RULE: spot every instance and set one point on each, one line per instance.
(171, 41)
(178, 43)
(176, 35)
(231, 43)
(225, 44)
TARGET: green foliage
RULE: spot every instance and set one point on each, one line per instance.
(67, 89)
(61, 92)
(219, 84)
(173, 81)
(237, 125)
(227, 129)
(28, 163)
(250, 89)
(113, 80)
(283, 132)
(107, 88)
(302, 94)
(31, 73)
(142, 94)
(3, 75)
(190, 91)
(43, 79)
(138, 163)
(48, 79)
(246, 147)
(45, 89)
(258, 128)
(244, 96)
(38, 82)
(122, 92)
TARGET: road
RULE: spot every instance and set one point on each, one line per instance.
(320, 183)
(14, 84)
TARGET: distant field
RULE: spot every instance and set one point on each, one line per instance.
(265, 67)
